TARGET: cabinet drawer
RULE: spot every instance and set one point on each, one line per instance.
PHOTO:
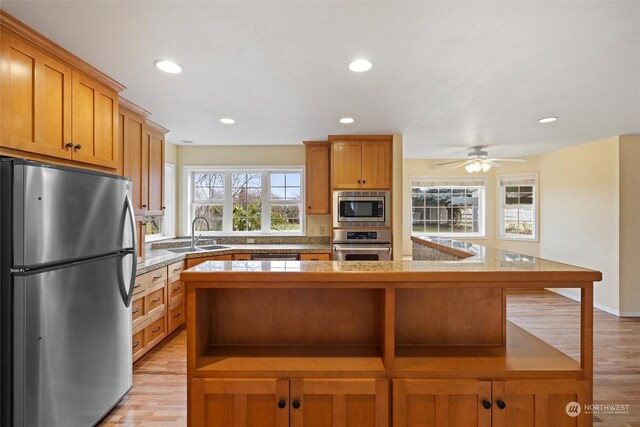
(175, 269)
(155, 332)
(153, 277)
(139, 285)
(137, 344)
(315, 257)
(242, 257)
(154, 300)
(137, 310)
(176, 290)
(176, 315)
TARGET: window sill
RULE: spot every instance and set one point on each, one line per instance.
(519, 239)
(155, 237)
(453, 236)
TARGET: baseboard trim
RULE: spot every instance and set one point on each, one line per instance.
(596, 305)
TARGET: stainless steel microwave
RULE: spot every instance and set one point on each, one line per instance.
(361, 209)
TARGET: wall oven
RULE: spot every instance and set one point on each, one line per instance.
(361, 245)
(361, 209)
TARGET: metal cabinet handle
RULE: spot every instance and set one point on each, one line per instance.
(177, 315)
(155, 300)
(176, 289)
(282, 404)
(501, 404)
(156, 277)
(136, 344)
(156, 329)
(486, 404)
(144, 206)
(136, 310)
(68, 146)
(295, 404)
(359, 181)
(76, 148)
(364, 182)
(177, 269)
(137, 286)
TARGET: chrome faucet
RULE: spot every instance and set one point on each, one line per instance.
(195, 239)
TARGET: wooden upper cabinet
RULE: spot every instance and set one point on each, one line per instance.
(360, 164)
(376, 164)
(155, 174)
(318, 187)
(540, 403)
(36, 99)
(95, 122)
(239, 402)
(333, 402)
(346, 164)
(442, 403)
(135, 158)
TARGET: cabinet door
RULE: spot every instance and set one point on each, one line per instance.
(36, 99)
(95, 122)
(155, 203)
(441, 403)
(135, 160)
(346, 164)
(376, 164)
(540, 403)
(239, 403)
(317, 178)
(347, 403)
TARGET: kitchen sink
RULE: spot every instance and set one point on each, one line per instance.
(197, 249)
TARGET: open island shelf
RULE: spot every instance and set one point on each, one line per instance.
(378, 342)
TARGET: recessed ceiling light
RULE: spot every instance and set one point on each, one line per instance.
(347, 120)
(548, 120)
(168, 66)
(227, 121)
(186, 141)
(360, 65)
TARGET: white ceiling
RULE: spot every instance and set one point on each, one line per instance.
(446, 75)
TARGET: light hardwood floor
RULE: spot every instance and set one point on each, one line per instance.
(158, 397)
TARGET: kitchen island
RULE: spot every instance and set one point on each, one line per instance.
(397, 343)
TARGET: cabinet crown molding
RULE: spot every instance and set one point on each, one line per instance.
(128, 105)
(20, 28)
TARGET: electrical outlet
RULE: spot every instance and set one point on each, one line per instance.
(250, 241)
(322, 231)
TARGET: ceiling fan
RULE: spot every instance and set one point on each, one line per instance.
(478, 160)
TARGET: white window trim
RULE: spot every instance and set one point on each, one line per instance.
(453, 181)
(536, 208)
(187, 174)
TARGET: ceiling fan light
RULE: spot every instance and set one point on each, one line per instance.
(485, 167)
(469, 168)
(477, 167)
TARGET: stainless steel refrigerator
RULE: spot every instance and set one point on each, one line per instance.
(67, 268)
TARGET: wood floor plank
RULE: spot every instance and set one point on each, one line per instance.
(158, 396)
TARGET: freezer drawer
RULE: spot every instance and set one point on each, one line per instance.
(62, 214)
(72, 342)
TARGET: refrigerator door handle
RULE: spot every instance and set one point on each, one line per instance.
(134, 260)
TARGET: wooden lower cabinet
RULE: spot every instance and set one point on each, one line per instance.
(239, 402)
(498, 403)
(337, 402)
(315, 257)
(271, 402)
(441, 403)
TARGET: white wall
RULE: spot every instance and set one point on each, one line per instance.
(580, 225)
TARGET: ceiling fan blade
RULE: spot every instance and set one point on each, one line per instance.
(463, 164)
(507, 160)
(492, 163)
(451, 162)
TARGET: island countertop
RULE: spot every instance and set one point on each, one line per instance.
(487, 265)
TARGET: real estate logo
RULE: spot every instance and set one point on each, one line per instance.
(573, 409)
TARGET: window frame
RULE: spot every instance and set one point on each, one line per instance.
(453, 182)
(502, 206)
(227, 217)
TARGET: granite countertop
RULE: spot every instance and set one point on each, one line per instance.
(486, 265)
(157, 258)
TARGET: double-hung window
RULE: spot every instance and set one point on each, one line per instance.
(448, 206)
(518, 207)
(246, 201)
